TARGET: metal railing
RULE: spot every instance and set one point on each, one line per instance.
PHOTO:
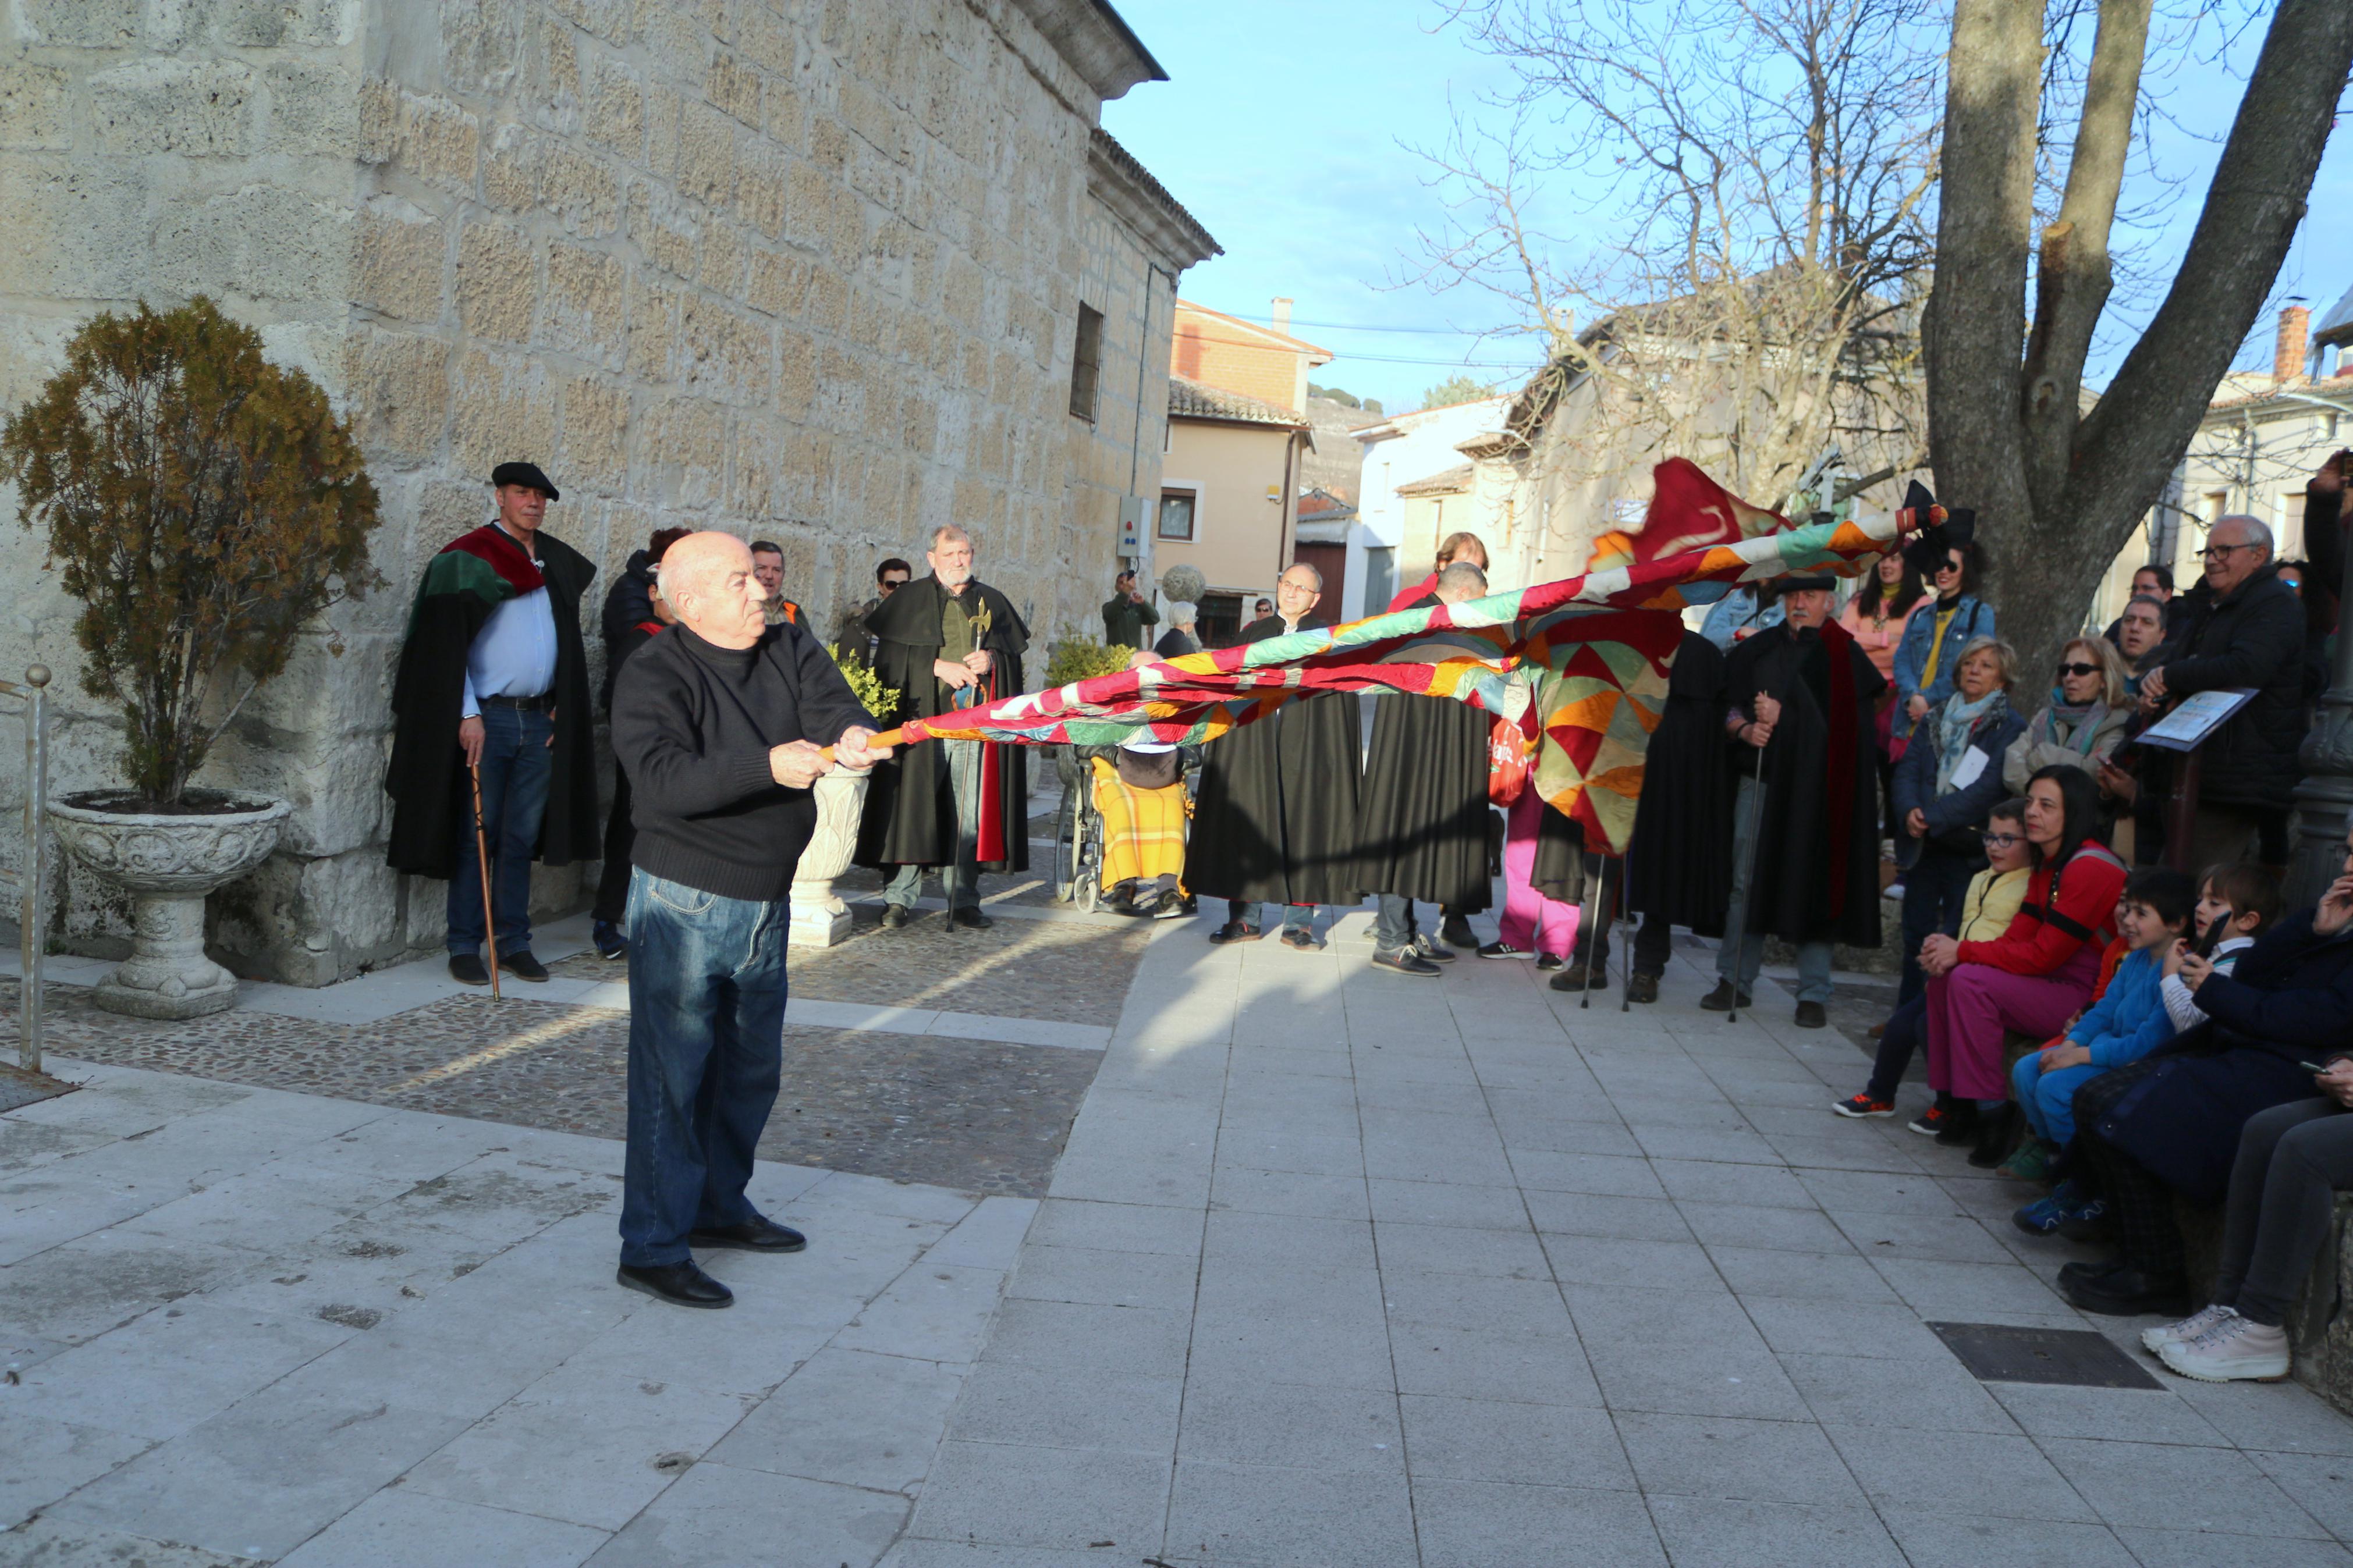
(32, 874)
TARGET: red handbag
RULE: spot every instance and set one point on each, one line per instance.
(1511, 759)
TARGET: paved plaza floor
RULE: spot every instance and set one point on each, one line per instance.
(1333, 1268)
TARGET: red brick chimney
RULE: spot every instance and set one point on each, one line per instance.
(2295, 332)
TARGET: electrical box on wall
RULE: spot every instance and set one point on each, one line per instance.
(1131, 525)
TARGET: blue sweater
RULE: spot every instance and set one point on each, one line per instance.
(2129, 1020)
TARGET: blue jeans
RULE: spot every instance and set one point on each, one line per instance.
(706, 1050)
(516, 763)
(960, 878)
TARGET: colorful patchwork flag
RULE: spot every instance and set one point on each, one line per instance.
(1605, 638)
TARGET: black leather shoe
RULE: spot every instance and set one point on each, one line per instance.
(1720, 999)
(1456, 932)
(1405, 960)
(522, 966)
(1997, 1130)
(971, 919)
(1641, 987)
(467, 969)
(761, 1235)
(2128, 1293)
(680, 1284)
(1236, 930)
(1811, 1016)
(1572, 977)
(894, 916)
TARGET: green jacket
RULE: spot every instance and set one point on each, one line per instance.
(1124, 620)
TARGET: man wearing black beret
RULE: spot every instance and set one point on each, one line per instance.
(493, 676)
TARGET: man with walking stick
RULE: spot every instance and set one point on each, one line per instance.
(1799, 697)
(491, 705)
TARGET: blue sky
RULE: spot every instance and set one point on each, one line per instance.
(1285, 128)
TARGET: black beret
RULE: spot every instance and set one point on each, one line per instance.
(524, 474)
(1792, 585)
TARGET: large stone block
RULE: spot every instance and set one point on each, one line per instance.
(431, 138)
(616, 108)
(80, 24)
(778, 284)
(504, 406)
(198, 108)
(276, 24)
(33, 106)
(706, 155)
(497, 281)
(322, 696)
(511, 165)
(398, 257)
(726, 259)
(685, 451)
(73, 233)
(338, 794)
(313, 110)
(653, 329)
(615, 21)
(263, 241)
(581, 191)
(760, 189)
(583, 310)
(482, 44)
(596, 429)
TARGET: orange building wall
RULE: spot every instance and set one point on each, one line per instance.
(1220, 352)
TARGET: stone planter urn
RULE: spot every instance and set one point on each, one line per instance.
(167, 864)
(821, 919)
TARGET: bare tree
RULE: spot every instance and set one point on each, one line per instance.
(2059, 479)
(1756, 176)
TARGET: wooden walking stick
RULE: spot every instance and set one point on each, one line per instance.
(482, 857)
(1739, 937)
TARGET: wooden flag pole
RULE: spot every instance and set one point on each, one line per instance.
(482, 857)
(887, 737)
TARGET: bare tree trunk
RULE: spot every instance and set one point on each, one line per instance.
(2056, 498)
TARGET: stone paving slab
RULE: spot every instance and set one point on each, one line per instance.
(243, 1325)
(1342, 1267)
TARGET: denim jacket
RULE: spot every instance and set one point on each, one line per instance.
(1971, 619)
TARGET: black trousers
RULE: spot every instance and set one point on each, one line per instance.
(2142, 1204)
(621, 839)
(2291, 1160)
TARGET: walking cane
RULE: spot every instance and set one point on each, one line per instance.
(482, 858)
(1592, 913)
(1748, 882)
(1625, 928)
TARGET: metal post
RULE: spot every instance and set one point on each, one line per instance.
(30, 878)
(2326, 796)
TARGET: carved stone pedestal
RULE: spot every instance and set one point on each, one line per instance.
(821, 919)
(167, 865)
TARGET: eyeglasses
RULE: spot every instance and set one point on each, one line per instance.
(2079, 669)
(2001, 840)
(2217, 551)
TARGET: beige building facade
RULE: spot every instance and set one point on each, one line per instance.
(1229, 499)
(828, 274)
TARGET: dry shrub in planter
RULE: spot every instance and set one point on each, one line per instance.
(204, 505)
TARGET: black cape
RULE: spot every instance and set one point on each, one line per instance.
(1275, 819)
(431, 795)
(1679, 857)
(909, 814)
(1791, 894)
(1421, 828)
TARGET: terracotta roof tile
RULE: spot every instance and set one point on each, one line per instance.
(1191, 400)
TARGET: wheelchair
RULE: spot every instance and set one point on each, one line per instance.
(1079, 830)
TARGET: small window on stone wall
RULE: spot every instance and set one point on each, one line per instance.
(1086, 364)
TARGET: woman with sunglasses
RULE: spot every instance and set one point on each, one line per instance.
(2082, 722)
(1928, 661)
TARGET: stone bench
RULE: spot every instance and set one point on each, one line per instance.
(2322, 1337)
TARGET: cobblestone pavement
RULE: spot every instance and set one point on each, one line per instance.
(973, 1114)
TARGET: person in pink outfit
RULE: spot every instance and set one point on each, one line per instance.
(1531, 923)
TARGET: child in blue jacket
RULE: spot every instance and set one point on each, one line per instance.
(2127, 1022)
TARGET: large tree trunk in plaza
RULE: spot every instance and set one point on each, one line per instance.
(2059, 489)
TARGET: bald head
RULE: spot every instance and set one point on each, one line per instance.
(708, 581)
(1460, 581)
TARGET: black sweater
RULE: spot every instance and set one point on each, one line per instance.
(693, 726)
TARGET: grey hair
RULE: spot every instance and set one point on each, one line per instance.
(947, 531)
(1303, 567)
(2258, 532)
(1460, 575)
(2005, 660)
(1183, 614)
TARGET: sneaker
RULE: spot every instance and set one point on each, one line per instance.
(1641, 987)
(2030, 1162)
(2236, 1349)
(1862, 1105)
(1432, 950)
(1720, 1000)
(1235, 931)
(609, 943)
(2067, 1202)
(1169, 906)
(1300, 937)
(2190, 1328)
(1930, 1122)
(1547, 962)
(1404, 961)
(1503, 949)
